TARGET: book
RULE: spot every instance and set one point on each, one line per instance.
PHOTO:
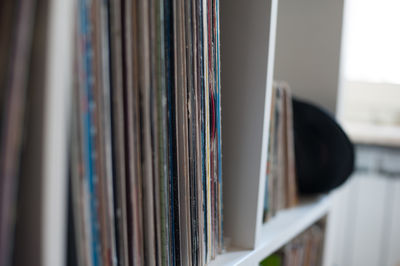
(304, 249)
(280, 185)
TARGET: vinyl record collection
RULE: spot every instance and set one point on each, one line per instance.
(146, 186)
(305, 250)
(280, 187)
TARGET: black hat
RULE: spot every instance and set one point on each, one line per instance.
(324, 153)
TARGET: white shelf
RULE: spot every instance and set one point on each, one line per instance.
(247, 45)
(58, 91)
(276, 233)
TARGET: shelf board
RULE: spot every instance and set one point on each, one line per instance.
(277, 232)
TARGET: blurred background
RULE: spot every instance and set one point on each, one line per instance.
(345, 56)
(365, 222)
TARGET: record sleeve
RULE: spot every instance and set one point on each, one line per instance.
(118, 133)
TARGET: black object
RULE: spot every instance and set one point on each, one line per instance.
(324, 153)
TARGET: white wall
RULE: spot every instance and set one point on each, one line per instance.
(365, 220)
(308, 48)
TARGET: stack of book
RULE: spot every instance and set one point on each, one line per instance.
(305, 250)
(280, 187)
(145, 153)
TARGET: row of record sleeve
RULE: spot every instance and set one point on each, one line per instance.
(145, 147)
(304, 250)
(280, 186)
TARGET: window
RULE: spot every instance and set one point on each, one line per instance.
(371, 61)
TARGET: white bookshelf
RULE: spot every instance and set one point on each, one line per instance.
(277, 232)
(247, 51)
(248, 36)
(58, 91)
(298, 41)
